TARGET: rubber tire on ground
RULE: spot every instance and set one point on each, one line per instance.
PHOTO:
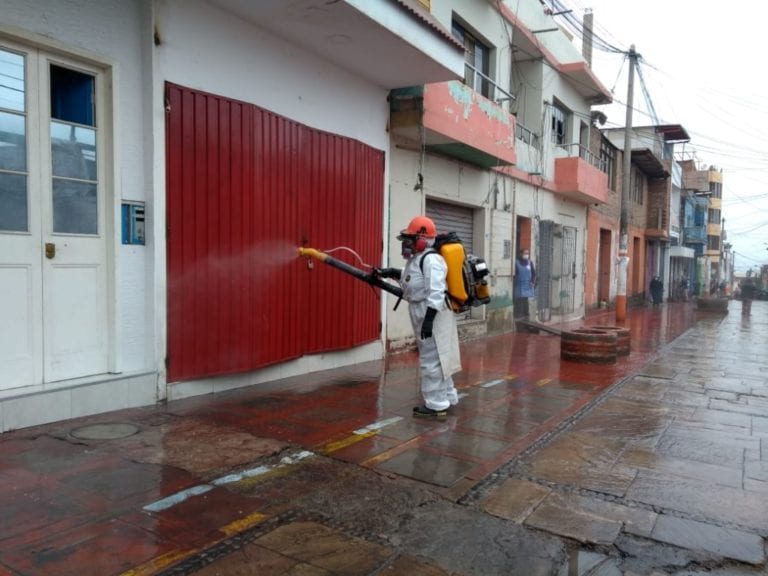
(622, 338)
(589, 346)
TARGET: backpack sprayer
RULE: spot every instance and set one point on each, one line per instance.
(367, 277)
(467, 284)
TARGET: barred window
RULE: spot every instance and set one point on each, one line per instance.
(607, 162)
(559, 124)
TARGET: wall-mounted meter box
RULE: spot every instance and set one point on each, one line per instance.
(133, 223)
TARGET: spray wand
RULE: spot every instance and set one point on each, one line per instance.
(368, 277)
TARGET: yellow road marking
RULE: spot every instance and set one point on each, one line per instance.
(387, 454)
(348, 441)
(162, 561)
(175, 556)
(243, 523)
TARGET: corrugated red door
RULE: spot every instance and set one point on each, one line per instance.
(246, 188)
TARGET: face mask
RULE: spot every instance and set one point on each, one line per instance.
(406, 248)
(525, 256)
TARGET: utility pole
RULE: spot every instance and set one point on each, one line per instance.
(621, 283)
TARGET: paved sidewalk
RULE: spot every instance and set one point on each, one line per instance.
(677, 454)
(144, 491)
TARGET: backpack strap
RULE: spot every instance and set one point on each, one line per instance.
(427, 252)
(448, 297)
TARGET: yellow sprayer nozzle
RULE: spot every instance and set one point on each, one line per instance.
(313, 253)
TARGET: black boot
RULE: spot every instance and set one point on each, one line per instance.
(424, 412)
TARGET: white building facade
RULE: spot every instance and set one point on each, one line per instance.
(85, 183)
(162, 160)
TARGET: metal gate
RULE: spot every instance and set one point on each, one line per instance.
(453, 218)
(245, 188)
(556, 269)
(544, 269)
(567, 291)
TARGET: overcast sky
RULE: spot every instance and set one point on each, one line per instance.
(702, 66)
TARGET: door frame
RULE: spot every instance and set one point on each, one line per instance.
(43, 51)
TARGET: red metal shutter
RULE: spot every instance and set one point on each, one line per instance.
(245, 188)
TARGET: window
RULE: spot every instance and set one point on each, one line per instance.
(477, 60)
(14, 215)
(559, 124)
(607, 161)
(73, 151)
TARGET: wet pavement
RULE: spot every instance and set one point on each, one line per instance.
(657, 464)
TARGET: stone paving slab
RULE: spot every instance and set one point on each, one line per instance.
(746, 509)
(740, 407)
(325, 548)
(514, 499)
(701, 450)
(582, 460)
(558, 515)
(671, 466)
(736, 544)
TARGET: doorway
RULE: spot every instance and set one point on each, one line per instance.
(604, 266)
(53, 223)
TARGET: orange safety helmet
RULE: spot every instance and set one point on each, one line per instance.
(420, 226)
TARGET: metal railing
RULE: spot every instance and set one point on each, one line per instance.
(584, 154)
(695, 234)
(506, 95)
(528, 136)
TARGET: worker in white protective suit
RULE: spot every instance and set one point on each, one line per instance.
(423, 281)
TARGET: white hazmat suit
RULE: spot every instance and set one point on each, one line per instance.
(439, 356)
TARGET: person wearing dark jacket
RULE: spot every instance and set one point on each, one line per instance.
(748, 291)
(657, 291)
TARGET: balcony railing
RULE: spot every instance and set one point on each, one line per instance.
(498, 94)
(579, 176)
(584, 154)
(695, 234)
(528, 136)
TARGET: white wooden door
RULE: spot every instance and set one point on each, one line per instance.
(53, 273)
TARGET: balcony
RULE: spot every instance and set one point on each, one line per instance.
(452, 119)
(528, 149)
(695, 235)
(578, 176)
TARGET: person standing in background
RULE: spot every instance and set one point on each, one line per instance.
(657, 290)
(524, 283)
(748, 291)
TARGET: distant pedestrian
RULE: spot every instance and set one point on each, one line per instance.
(748, 291)
(524, 284)
(657, 290)
(684, 288)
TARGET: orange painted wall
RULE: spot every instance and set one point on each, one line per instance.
(458, 112)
